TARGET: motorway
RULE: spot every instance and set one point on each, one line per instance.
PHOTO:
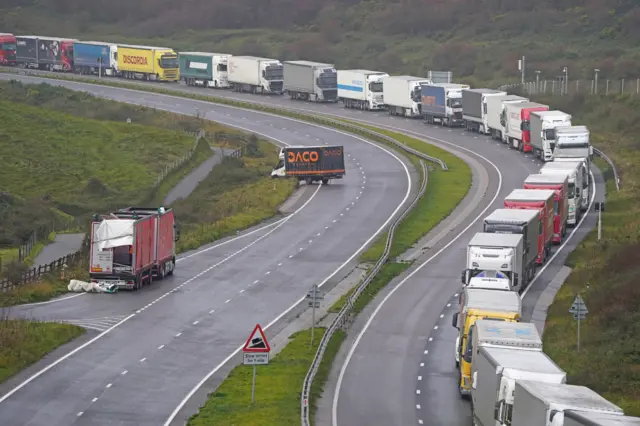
(149, 349)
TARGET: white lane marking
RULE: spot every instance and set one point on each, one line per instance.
(94, 399)
(108, 386)
(80, 413)
(124, 372)
(227, 301)
(62, 299)
(419, 377)
(280, 264)
(268, 272)
(143, 360)
(196, 322)
(426, 352)
(418, 406)
(212, 311)
(179, 334)
(422, 364)
(418, 391)
(160, 347)
(441, 315)
(256, 281)
(435, 327)
(242, 291)
(431, 339)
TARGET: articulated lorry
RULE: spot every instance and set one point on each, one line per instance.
(361, 89)
(544, 404)
(559, 183)
(256, 75)
(7, 49)
(586, 418)
(480, 304)
(311, 163)
(518, 124)
(543, 131)
(496, 118)
(204, 69)
(475, 111)
(442, 103)
(148, 63)
(311, 81)
(576, 174)
(540, 200)
(131, 246)
(402, 95)
(95, 57)
(45, 53)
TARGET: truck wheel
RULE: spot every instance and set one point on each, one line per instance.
(325, 181)
(309, 181)
(161, 271)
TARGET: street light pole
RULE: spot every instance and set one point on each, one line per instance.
(595, 83)
(538, 81)
(566, 80)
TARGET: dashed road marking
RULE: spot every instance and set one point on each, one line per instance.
(227, 301)
(160, 347)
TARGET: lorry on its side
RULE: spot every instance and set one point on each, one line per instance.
(586, 418)
(543, 131)
(132, 245)
(480, 304)
(45, 53)
(518, 124)
(256, 75)
(402, 95)
(442, 103)
(559, 183)
(496, 113)
(361, 89)
(503, 253)
(576, 174)
(542, 201)
(311, 163)
(544, 404)
(475, 112)
(311, 81)
(148, 63)
(7, 49)
(204, 69)
(95, 57)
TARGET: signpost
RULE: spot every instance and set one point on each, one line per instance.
(256, 352)
(314, 297)
(579, 311)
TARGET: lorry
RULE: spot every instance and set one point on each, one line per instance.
(95, 57)
(518, 124)
(361, 89)
(311, 81)
(402, 95)
(204, 69)
(7, 49)
(543, 404)
(256, 75)
(442, 103)
(502, 253)
(543, 131)
(496, 113)
(559, 183)
(480, 304)
(148, 63)
(311, 163)
(573, 142)
(542, 201)
(474, 106)
(131, 246)
(45, 53)
(576, 174)
(587, 418)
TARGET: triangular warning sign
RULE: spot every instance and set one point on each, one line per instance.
(257, 342)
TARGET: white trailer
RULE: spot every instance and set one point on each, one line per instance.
(586, 418)
(361, 89)
(474, 106)
(518, 126)
(403, 95)
(544, 404)
(255, 75)
(543, 131)
(496, 113)
(311, 81)
(575, 174)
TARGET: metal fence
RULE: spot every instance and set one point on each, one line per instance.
(586, 87)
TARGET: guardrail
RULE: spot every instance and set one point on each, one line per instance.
(602, 155)
(343, 315)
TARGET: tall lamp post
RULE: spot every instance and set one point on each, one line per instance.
(538, 81)
(566, 80)
(595, 81)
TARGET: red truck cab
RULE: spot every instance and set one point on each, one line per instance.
(66, 55)
(542, 200)
(559, 183)
(7, 49)
(526, 125)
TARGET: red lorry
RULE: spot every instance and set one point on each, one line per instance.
(542, 200)
(131, 246)
(559, 183)
(7, 49)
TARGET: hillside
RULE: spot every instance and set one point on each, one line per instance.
(482, 39)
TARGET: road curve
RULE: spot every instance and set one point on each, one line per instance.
(152, 347)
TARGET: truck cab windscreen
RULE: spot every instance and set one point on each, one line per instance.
(169, 62)
(572, 190)
(454, 103)
(573, 145)
(556, 207)
(503, 228)
(416, 95)
(222, 67)
(526, 125)
(273, 73)
(279, 165)
(375, 87)
(8, 46)
(549, 134)
(328, 81)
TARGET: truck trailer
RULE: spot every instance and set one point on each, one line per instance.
(131, 246)
(586, 418)
(442, 103)
(7, 49)
(361, 89)
(311, 163)
(559, 183)
(45, 53)
(544, 404)
(542, 201)
(311, 81)
(256, 75)
(543, 131)
(575, 177)
(403, 95)
(475, 112)
(148, 63)
(204, 69)
(518, 125)
(496, 113)
(95, 57)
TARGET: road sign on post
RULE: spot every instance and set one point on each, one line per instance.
(256, 352)
(579, 311)
(314, 297)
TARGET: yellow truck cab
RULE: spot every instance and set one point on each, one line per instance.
(480, 304)
(148, 63)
